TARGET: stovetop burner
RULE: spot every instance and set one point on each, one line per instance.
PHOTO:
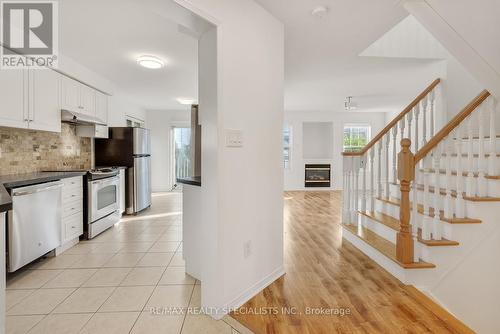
(101, 173)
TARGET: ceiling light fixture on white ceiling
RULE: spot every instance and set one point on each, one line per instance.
(320, 11)
(185, 101)
(150, 62)
(349, 104)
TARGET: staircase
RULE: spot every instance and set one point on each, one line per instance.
(424, 204)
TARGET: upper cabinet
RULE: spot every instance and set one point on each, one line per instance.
(78, 97)
(44, 100)
(30, 99)
(13, 112)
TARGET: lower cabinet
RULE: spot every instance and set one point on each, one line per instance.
(72, 209)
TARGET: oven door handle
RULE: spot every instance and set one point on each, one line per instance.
(106, 181)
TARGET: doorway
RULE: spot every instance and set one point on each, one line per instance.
(181, 153)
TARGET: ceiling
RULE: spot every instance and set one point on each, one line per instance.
(322, 65)
(107, 36)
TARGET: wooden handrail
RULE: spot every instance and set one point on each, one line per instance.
(448, 128)
(395, 120)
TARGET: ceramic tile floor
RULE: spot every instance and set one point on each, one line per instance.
(109, 284)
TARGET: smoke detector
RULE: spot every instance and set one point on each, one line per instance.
(349, 104)
(320, 11)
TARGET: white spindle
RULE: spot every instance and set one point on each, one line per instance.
(492, 159)
(345, 194)
(394, 154)
(432, 100)
(426, 232)
(387, 144)
(448, 202)
(417, 115)
(363, 184)
(459, 202)
(415, 221)
(379, 170)
(356, 190)
(482, 186)
(469, 187)
(436, 221)
(372, 181)
(409, 118)
(424, 121)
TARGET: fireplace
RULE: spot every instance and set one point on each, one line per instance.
(317, 176)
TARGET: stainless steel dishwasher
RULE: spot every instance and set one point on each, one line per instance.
(34, 223)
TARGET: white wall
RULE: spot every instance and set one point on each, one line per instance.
(294, 176)
(242, 199)
(160, 122)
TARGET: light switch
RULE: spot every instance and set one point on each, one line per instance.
(234, 138)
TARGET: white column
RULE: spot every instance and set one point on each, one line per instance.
(436, 221)
(372, 179)
(469, 187)
(459, 202)
(387, 144)
(482, 185)
(394, 154)
(448, 201)
(492, 159)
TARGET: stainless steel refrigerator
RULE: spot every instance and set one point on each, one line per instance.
(129, 147)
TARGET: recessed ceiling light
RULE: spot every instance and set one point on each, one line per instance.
(320, 11)
(184, 101)
(151, 62)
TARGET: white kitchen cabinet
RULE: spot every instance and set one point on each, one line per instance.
(44, 106)
(78, 97)
(14, 110)
(101, 106)
(72, 209)
(70, 94)
(87, 96)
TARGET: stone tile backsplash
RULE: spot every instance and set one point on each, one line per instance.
(27, 151)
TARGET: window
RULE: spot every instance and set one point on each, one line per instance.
(356, 137)
(287, 146)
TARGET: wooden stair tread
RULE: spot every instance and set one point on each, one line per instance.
(382, 218)
(464, 173)
(393, 224)
(420, 208)
(454, 194)
(384, 246)
(434, 243)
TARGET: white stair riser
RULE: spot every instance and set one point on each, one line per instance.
(379, 228)
(476, 163)
(492, 186)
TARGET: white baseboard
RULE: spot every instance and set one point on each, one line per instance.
(250, 293)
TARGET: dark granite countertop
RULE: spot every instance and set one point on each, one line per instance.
(193, 180)
(20, 180)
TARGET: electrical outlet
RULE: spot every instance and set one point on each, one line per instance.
(234, 138)
(247, 249)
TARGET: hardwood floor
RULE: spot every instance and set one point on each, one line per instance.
(323, 271)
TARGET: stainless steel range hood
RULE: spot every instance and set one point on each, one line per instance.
(79, 119)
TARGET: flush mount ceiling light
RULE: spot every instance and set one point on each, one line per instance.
(349, 104)
(151, 62)
(185, 101)
(320, 11)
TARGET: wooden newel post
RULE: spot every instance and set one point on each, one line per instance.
(406, 174)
